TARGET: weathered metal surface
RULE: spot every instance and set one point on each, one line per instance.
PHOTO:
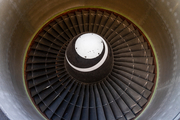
(159, 20)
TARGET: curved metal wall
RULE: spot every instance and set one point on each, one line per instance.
(158, 19)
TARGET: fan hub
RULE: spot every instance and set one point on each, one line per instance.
(87, 55)
(89, 45)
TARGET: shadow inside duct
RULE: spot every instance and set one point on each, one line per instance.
(3, 116)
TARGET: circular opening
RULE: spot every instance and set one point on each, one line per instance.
(89, 45)
(123, 77)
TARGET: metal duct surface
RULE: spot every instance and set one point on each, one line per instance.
(21, 19)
